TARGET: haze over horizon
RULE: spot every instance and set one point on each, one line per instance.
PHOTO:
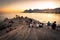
(20, 5)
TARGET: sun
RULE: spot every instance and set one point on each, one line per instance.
(46, 5)
(50, 5)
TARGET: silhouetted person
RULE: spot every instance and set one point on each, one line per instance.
(30, 25)
(54, 25)
(37, 25)
(11, 21)
(30, 20)
(17, 17)
(40, 25)
(6, 19)
(22, 17)
(25, 17)
(48, 24)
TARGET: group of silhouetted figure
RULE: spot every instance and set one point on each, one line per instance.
(40, 25)
(53, 25)
(37, 24)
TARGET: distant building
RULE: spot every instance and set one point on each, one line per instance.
(56, 10)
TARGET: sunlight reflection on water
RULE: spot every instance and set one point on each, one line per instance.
(42, 17)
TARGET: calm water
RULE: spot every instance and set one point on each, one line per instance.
(42, 17)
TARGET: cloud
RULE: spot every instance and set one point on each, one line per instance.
(8, 2)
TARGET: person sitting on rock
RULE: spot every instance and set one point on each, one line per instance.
(54, 25)
(37, 25)
(40, 25)
(30, 25)
(48, 24)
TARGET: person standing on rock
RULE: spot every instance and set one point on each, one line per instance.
(54, 25)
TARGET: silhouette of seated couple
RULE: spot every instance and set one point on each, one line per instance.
(53, 25)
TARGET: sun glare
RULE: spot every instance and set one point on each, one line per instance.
(50, 5)
(49, 16)
(46, 5)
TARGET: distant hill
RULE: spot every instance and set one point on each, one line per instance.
(56, 10)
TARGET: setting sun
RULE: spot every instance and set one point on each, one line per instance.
(46, 5)
(50, 5)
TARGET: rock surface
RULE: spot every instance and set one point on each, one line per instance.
(24, 32)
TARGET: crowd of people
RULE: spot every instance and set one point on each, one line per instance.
(30, 22)
(38, 24)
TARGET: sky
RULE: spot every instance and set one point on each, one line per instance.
(20, 5)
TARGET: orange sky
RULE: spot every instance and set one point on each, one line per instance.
(19, 6)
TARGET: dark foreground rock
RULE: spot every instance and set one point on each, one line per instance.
(23, 32)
